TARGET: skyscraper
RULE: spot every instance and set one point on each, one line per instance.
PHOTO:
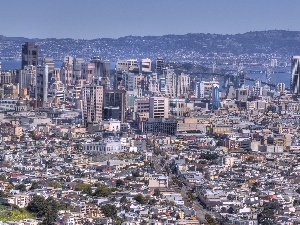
(29, 54)
(171, 83)
(295, 82)
(160, 65)
(183, 85)
(215, 96)
(92, 98)
(41, 87)
(102, 70)
(145, 66)
(199, 90)
(115, 98)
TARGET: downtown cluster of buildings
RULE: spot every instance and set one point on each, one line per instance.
(187, 147)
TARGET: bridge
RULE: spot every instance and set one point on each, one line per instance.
(263, 82)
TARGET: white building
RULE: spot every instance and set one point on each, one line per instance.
(183, 85)
(146, 65)
(107, 146)
(159, 107)
(170, 83)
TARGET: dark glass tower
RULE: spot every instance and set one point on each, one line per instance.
(29, 54)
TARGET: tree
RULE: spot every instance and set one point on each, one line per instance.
(9, 187)
(144, 222)
(84, 188)
(171, 203)
(21, 187)
(109, 210)
(54, 183)
(119, 183)
(266, 217)
(3, 178)
(37, 205)
(123, 199)
(102, 191)
(2, 194)
(34, 185)
(141, 199)
(156, 192)
(46, 208)
(50, 211)
(210, 219)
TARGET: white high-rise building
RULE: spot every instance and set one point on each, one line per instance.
(171, 83)
(280, 87)
(199, 90)
(27, 77)
(92, 98)
(159, 107)
(146, 65)
(295, 82)
(183, 85)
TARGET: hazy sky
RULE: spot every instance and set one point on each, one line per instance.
(116, 18)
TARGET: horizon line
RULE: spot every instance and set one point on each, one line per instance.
(146, 35)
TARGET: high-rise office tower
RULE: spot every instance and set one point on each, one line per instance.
(280, 87)
(102, 71)
(159, 107)
(242, 94)
(295, 81)
(115, 98)
(145, 66)
(6, 77)
(171, 83)
(29, 54)
(66, 71)
(215, 96)
(41, 87)
(160, 65)
(27, 77)
(88, 71)
(50, 63)
(183, 85)
(199, 90)
(77, 71)
(92, 99)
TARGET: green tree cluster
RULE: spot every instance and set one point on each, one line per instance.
(54, 183)
(210, 219)
(109, 211)
(103, 191)
(119, 183)
(142, 199)
(84, 188)
(44, 208)
(21, 187)
(14, 215)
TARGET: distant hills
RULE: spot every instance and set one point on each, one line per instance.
(188, 47)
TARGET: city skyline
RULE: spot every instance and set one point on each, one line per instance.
(113, 19)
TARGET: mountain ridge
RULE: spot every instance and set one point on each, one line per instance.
(187, 47)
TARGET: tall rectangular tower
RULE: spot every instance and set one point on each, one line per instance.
(295, 81)
(29, 54)
(92, 98)
(116, 98)
(41, 87)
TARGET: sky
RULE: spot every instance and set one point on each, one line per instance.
(91, 19)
